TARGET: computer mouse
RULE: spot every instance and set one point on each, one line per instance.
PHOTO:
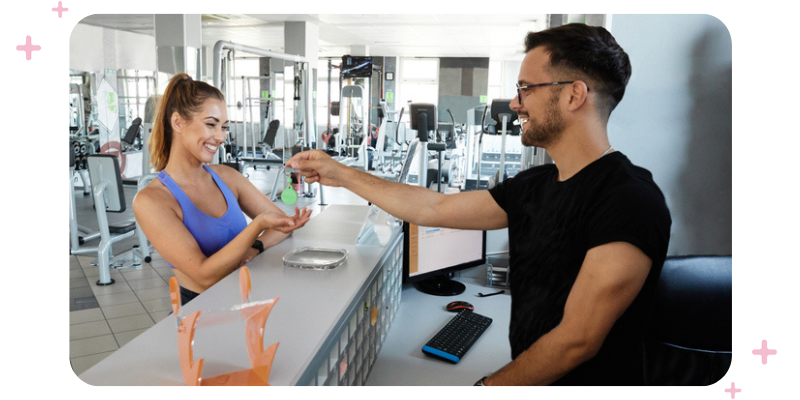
(457, 306)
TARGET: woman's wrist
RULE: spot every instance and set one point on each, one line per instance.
(263, 223)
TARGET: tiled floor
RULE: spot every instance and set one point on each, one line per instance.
(105, 318)
(135, 302)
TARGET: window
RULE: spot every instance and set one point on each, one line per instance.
(495, 80)
(134, 88)
(502, 79)
(418, 83)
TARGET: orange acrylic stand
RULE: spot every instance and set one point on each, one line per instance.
(256, 318)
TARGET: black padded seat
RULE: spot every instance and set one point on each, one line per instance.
(689, 340)
(122, 227)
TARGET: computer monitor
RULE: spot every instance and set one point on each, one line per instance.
(432, 254)
(430, 120)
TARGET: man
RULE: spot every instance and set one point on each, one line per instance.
(588, 235)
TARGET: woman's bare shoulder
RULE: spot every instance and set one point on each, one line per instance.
(224, 171)
(155, 194)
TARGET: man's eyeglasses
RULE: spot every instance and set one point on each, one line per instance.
(526, 87)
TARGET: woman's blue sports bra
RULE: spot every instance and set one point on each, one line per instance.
(211, 233)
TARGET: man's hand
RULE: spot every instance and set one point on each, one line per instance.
(316, 166)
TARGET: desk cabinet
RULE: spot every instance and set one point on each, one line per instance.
(347, 356)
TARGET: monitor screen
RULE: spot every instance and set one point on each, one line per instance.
(430, 251)
(429, 110)
(356, 67)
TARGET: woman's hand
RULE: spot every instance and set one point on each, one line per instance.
(280, 223)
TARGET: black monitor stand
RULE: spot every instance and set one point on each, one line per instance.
(441, 285)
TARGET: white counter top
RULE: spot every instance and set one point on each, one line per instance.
(310, 305)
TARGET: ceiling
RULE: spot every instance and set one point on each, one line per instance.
(420, 35)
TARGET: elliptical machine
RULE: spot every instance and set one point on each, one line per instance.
(504, 118)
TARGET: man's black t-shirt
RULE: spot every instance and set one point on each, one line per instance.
(551, 226)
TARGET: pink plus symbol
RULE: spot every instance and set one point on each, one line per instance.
(764, 352)
(28, 48)
(733, 390)
(60, 9)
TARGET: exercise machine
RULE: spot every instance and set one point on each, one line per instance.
(75, 230)
(303, 95)
(505, 119)
(108, 197)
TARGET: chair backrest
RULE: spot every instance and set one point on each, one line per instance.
(500, 107)
(105, 168)
(689, 342)
(272, 132)
(133, 131)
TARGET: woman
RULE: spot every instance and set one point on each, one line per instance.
(192, 214)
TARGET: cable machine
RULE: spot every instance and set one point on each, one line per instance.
(302, 97)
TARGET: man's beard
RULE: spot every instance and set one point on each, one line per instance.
(548, 132)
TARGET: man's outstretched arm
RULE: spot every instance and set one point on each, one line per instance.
(421, 206)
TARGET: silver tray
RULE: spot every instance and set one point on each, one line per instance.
(315, 258)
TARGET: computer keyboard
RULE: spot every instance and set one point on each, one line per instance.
(453, 341)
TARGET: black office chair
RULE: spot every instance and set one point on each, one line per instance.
(689, 342)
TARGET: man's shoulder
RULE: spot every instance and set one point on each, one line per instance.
(628, 175)
(632, 188)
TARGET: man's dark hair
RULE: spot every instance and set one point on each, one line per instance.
(589, 52)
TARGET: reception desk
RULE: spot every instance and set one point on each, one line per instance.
(323, 320)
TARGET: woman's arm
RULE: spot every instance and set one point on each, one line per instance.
(156, 214)
(253, 203)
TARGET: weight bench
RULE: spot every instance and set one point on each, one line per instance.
(268, 142)
(129, 140)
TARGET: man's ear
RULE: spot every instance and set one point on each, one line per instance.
(578, 95)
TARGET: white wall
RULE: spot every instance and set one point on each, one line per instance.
(675, 120)
(94, 48)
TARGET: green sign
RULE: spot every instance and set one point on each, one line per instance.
(112, 102)
(390, 97)
(484, 99)
(265, 94)
(314, 94)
